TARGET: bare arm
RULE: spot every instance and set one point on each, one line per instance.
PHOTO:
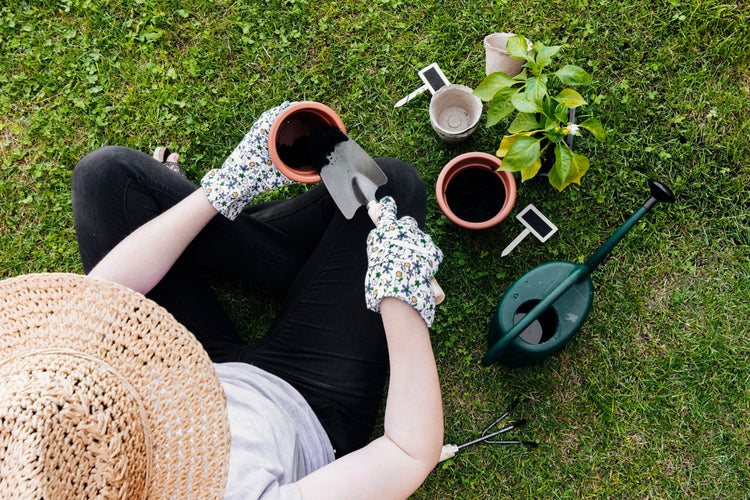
(142, 259)
(394, 465)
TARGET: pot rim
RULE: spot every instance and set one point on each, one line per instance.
(305, 174)
(475, 160)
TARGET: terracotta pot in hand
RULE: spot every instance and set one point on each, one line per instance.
(286, 139)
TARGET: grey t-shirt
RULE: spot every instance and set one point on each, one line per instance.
(276, 437)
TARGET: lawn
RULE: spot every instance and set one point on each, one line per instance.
(651, 399)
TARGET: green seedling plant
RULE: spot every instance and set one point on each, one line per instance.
(542, 120)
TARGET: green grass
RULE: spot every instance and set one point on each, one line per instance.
(651, 399)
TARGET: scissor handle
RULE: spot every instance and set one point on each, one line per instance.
(448, 451)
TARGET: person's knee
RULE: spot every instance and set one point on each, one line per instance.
(405, 185)
(96, 167)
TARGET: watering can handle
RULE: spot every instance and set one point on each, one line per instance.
(659, 192)
(437, 291)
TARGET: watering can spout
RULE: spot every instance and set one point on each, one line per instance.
(659, 192)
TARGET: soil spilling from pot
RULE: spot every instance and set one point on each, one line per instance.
(475, 194)
(313, 149)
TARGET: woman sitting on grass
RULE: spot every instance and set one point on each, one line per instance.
(301, 402)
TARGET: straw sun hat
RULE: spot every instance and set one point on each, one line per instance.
(104, 394)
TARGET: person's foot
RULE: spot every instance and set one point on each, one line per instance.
(170, 160)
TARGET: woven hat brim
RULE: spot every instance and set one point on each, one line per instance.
(172, 373)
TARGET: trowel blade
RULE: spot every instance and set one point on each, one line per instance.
(351, 177)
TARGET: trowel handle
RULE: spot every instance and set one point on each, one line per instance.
(372, 211)
(437, 291)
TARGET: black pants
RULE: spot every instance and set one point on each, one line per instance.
(324, 341)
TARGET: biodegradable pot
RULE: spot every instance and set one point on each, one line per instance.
(288, 133)
(455, 112)
(472, 193)
(497, 57)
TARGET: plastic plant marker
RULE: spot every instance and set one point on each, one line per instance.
(434, 79)
(536, 223)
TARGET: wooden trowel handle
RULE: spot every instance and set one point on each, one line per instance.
(437, 291)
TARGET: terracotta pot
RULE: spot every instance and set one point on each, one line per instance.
(296, 122)
(472, 193)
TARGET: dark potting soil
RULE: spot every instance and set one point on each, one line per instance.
(475, 194)
(312, 149)
(294, 156)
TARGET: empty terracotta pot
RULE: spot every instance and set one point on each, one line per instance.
(472, 193)
(288, 133)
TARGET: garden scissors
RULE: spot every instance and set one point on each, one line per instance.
(450, 450)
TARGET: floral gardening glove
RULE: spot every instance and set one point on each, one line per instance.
(247, 172)
(401, 261)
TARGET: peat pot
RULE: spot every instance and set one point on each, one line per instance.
(455, 113)
(497, 57)
(472, 193)
(287, 139)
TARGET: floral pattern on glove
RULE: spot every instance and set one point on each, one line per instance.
(248, 171)
(401, 262)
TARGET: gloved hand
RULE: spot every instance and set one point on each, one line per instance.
(247, 172)
(401, 261)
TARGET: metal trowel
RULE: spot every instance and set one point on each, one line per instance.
(352, 177)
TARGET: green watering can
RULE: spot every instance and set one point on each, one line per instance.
(542, 310)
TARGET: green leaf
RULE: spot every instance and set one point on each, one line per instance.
(580, 166)
(507, 142)
(561, 114)
(554, 135)
(521, 77)
(596, 128)
(545, 54)
(561, 168)
(517, 47)
(568, 169)
(523, 104)
(500, 106)
(528, 173)
(533, 67)
(536, 89)
(505, 145)
(573, 75)
(570, 98)
(522, 154)
(524, 122)
(496, 112)
(537, 46)
(493, 83)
